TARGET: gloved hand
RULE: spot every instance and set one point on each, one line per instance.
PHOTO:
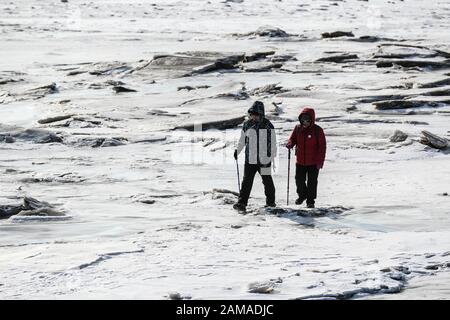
(318, 166)
(289, 146)
(235, 154)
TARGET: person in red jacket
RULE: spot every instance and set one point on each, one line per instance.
(309, 140)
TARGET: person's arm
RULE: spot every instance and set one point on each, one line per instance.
(292, 141)
(241, 142)
(322, 149)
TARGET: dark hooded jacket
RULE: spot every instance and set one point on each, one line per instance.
(258, 137)
(310, 142)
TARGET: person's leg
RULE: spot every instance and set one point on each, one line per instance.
(269, 187)
(300, 181)
(313, 174)
(247, 182)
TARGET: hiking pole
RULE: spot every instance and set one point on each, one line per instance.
(289, 171)
(239, 181)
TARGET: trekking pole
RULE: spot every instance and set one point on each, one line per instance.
(239, 181)
(289, 171)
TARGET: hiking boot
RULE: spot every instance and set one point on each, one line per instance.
(310, 205)
(299, 201)
(239, 206)
(270, 205)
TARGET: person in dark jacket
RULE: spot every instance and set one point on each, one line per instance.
(258, 138)
(309, 140)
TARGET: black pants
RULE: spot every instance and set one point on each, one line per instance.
(307, 190)
(247, 183)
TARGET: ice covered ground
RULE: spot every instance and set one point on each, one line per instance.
(146, 214)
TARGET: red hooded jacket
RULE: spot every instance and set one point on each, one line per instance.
(310, 142)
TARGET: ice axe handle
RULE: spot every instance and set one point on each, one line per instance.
(289, 171)
(239, 180)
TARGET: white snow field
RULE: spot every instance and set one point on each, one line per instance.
(128, 208)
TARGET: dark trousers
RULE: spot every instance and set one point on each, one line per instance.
(247, 184)
(306, 189)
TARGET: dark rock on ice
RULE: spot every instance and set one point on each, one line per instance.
(119, 89)
(49, 138)
(7, 211)
(260, 66)
(8, 80)
(371, 39)
(101, 142)
(413, 63)
(229, 62)
(402, 269)
(76, 72)
(224, 191)
(435, 84)
(404, 104)
(147, 201)
(6, 138)
(270, 32)
(109, 68)
(337, 34)
(239, 95)
(150, 139)
(249, 57)
(33, 135)
(187, 60)
(269, 89)
(220, 125)
(227, 197)
(261, 287)
(316, 212)
(283, 58)
(114, 82)
(37, 208)
(54, 119)
(416, 123)
(359, 291)
(30, 207)
(437, 93)
(404, 50)
(370, 99)
(178, 296)
(397, 276)
(433, 140)
(338, 58)
(433, 267)
(192, 63)
(196, 62)
(398, 136)
(42, 91)
(156, 112)
(113, 142)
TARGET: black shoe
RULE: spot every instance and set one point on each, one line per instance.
(310, 205)
(239, 206)
(299, 201)
(270, 205)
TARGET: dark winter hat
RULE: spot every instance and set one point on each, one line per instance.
(257, 108)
